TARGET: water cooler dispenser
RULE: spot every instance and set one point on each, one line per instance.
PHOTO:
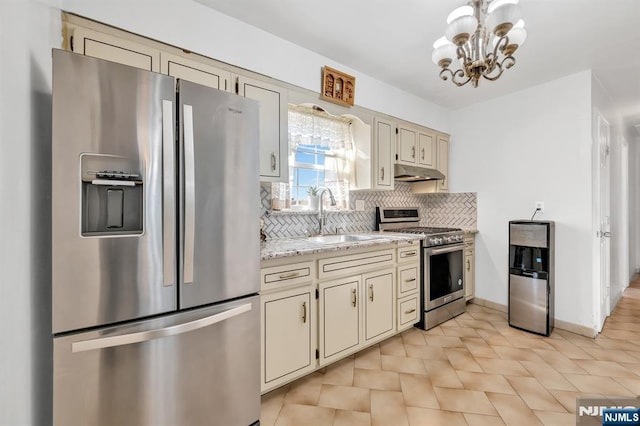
(531, 275)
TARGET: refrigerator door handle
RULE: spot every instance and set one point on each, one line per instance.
(189, 194)
(145, 336)
(168, 196)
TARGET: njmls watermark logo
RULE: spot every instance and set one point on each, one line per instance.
(608, 411)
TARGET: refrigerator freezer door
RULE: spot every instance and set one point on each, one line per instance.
(528, 303)
(113, 141)
(199, 367)
(219, 201)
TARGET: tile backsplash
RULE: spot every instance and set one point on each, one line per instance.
(448, 209)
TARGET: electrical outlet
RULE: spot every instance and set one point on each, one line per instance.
(359, 205)
(540, 206)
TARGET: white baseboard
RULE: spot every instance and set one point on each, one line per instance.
(562, 325)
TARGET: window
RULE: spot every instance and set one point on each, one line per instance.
(320, 155)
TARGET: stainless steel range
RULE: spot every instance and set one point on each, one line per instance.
(442, 289)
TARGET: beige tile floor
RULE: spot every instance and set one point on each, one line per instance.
(471, 370)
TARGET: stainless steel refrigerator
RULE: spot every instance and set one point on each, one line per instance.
(155, 211)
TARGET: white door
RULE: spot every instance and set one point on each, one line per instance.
(604, 219)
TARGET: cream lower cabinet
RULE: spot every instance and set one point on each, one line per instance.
(340, 318)
(355, 312)
(289, 335)
(378, 304)
(408, 299)
(469, 267)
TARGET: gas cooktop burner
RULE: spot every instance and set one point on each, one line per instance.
(404, 220)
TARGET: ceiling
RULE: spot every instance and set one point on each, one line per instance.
(391, 40)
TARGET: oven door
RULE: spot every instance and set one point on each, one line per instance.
(443, 275)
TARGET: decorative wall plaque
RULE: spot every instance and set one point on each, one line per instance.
(337, 86)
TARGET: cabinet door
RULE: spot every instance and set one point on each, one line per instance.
(288, 346)
(469, 274)
(385, 153)
(427, 149)
(443, 162)
(407, 145)
(104, 46)
(379, 304)
(273, 127)
(194, 71)
(339, 318)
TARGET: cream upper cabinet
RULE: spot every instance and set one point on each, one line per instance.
(441, 142)
(195, 71)
(443, 162)
(273, 126)
(407, 143)
(384, 153)
(104, 46)
(426, 148)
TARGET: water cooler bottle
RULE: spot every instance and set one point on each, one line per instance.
(531, 275)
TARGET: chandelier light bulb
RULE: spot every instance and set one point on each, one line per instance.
(460, 29)
(502, 19)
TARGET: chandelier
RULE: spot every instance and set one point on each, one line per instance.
(483, 36)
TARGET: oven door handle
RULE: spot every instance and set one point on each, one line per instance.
(447, 249)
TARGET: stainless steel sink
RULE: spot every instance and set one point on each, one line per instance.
(334, 239)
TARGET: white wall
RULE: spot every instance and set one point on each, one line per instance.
(190, 25)
(533, 145)
(28, 29)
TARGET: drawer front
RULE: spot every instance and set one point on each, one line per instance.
(286, 275)
(408, 312)
(409, 254)
(408, 279)
(355, 264)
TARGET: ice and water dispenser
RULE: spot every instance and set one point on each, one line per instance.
(112, 196)
(531, 275)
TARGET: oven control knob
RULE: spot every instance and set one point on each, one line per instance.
(447, 239)
(433, 241)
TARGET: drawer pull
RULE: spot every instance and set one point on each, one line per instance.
(371, 292)
(304, 312)
(410, 280)
(468, 265)
(409, 254)
(354, 298)
(410, 311)
(289, 275)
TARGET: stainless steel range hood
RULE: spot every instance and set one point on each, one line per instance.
(406, 173)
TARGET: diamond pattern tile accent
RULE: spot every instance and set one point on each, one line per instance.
(473, 369)
(457, 210)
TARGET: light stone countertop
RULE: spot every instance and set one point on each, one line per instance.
(296, 246)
